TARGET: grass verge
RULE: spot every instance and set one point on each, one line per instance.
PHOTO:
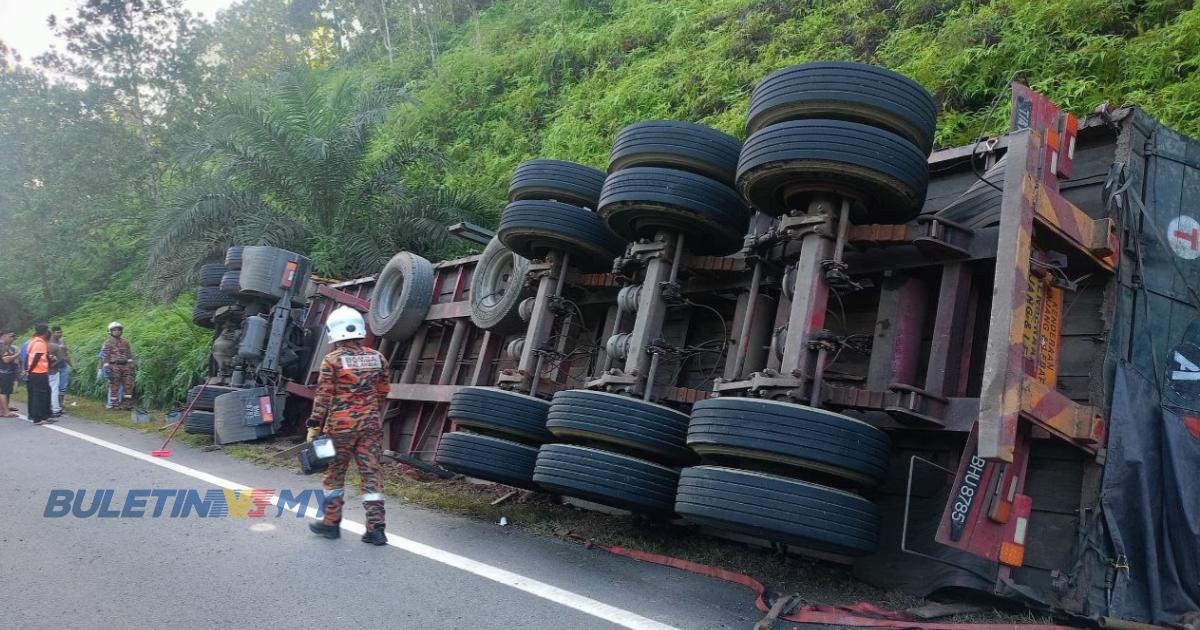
(542, 514)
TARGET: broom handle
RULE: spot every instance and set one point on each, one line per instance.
(183, 417)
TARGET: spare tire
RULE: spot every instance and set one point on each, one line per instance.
(784, 166)
(535, 228)
(212, 298)
(678, 145)
(778, 508)
(401, 298)
(198, 423)
(794, 435)
(210, 275)
(509, 415)
(556, 180)
(497, 288)
(488, 458)
(203, 318)
(207, 398)
(233, 257)
(231, 282)
(607, 478)
(850, 91)
(645, 429)
(637, 202)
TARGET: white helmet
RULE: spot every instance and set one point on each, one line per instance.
(115, 325)
(345, 323)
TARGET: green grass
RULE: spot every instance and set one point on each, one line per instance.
(558, 79)
(170, 352)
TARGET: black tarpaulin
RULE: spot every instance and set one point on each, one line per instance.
(1151, 501)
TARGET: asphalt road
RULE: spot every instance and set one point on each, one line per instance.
(270, 572)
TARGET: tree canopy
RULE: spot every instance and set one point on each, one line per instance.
(149, 139)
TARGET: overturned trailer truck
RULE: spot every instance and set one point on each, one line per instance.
(972, 369)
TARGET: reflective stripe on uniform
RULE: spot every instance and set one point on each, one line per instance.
(372, 496)
(333, 494)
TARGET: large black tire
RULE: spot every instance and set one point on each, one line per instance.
(210, 275)
(779, 508)
(498, 287)
(979, 206)
(212, 298)
(207, 398)
(233, 257)
(789, 434)
(637, 202)
(489, 458)
(783, 166)
(607, 478)
(199, 423)
(532, 229)
(556, 180)
(647, 430)
(506, 414)
(401, 298)
(203, 318)
(231, 282)
(845, 91)
(679, 145)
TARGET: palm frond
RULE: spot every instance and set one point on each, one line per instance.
(198, 227)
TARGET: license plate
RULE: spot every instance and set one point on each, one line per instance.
(964, 496)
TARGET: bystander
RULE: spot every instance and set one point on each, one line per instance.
(9, 370)
(37, 367)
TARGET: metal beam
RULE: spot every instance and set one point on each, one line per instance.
(898, 325)
(652, 309)
(453, 352)
(809, 297)
(341, 297)
(471, 233)
(949, 325)
(1000, 395)
(422, 393)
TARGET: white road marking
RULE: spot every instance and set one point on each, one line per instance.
(587, 605)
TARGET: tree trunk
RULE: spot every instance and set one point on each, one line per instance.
(387, 31)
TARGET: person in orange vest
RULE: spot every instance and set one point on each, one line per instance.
(37, 365)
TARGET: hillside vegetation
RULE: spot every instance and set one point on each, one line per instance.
(461, 92)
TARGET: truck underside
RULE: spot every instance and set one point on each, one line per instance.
(990, 340)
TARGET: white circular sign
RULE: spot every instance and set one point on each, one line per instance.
(1183, 234)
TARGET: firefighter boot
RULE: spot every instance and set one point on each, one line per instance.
(375, 535)
(328, 531)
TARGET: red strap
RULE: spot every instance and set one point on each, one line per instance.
(860, 614)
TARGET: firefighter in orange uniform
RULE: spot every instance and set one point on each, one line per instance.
(348, 407)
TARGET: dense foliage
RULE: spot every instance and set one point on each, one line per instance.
(170, 353)
(352, 128)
